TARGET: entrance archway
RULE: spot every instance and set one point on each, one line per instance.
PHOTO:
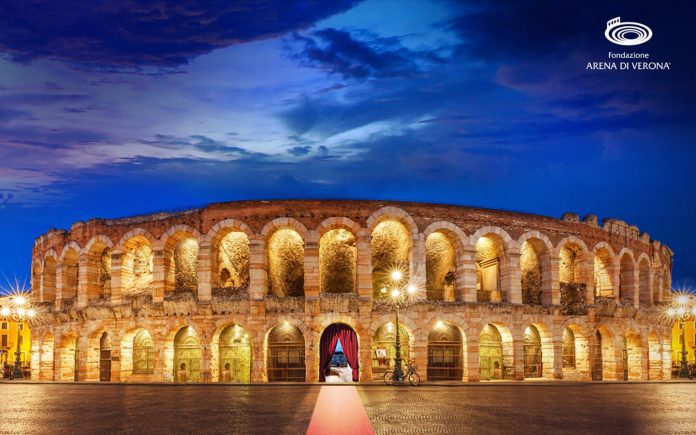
(532, 353)
(445, 353)
(490, 353)
(235, 355)
(105, 358)
(187, 356)
(384, 350)
(143, 354)
(598, 367)
(286, 354)
(340, 362)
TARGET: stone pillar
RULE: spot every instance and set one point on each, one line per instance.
(59, 285)
(83, 281)
(636, 287)
(56, 356)
(466, 274)
(557, 357)
(86, 365)
(158, 272)
(258, 269)
(205, 273)
(36, 358)
(164, 357)
(420, 354)
(364, 265)
(312, 356)
(473, 361)
(116, 359)
(417, 268)
(311, 266)
(365, 357)
(614, 272)
(588, 278)
(550, 284)
(116, 278)
(518, 358)
(258, 363)
(512, 280)
(206, 361)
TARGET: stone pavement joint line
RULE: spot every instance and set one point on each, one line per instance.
(339, 410)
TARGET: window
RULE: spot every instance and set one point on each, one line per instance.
(4, 325)
(4, 340)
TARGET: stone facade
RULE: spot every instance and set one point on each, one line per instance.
(250, 286)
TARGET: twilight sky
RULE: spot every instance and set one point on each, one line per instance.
(115, 108)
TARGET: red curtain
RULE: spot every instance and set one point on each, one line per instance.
(329, 340)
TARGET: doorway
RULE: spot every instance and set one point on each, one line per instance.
(339, 354)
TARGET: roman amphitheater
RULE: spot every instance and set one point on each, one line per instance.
(253, 291)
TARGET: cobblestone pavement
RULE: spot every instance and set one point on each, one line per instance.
(559, 408)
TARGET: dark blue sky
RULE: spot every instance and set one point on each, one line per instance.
(126, 107)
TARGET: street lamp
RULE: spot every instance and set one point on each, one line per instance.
(19, 310)
(682, 307)
(398, 296)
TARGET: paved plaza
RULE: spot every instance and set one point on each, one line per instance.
(558, 408)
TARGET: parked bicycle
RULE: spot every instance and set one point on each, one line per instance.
(409, 375)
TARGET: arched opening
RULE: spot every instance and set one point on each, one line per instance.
(70, 275)
(187, 356)
(603, 267)
(137, 267)
(46, 360)
(339, 353)
(633, 362)
(626, 277)
(143, 353)
(391, 250)
(445, 360)
(338, 256)
(99, 271)
(666, 286)
(231, 261)
(181, 263)
(440, 267)
(598, 366)
(105, 358)
(286, 354)
(69, 359)
(490, 255)
(533, 362)
(384, 350)
(605, 356)
(234, 354)
(569, 353)
(491, 358)
(573, 284)
(286, 263)
(49, 280)
(576, 354)
(534, 265)
(654, 357)
(644, 283)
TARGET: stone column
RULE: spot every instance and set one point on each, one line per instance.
(550, 283)
(258, 269)
(312, 356)
(116, 359)
(557, 357)
(59, 285)
(258, 363)
(311, 266)
(518, 358)
(205, 273)
(365, 357)
(364, 265)
(116, 278)
(417, 268)
(636, 287)
(86, 365)
(83, 281)
(473, 361)
(512, 280)
(614, 272)
(588, 278)
(158, 272)
(36, 358)
(206, 361)
(420, 354)
(466, 274)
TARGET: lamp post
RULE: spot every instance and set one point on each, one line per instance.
(398, 295)
(19, 311)
(682, 307)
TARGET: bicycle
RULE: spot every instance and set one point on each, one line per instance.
(410, 375)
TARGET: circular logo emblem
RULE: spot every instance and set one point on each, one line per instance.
(627, 33)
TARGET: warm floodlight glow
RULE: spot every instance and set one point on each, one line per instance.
(21, 311)
(411, 289)
(31, 312)
(5, 311)
(383, 290)
(395, 293)
(671, 312)
(396, 275)
(439, 324)
(682, 299)
(20, 300)
(681, 311)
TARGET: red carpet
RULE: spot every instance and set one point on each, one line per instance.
(339, 411)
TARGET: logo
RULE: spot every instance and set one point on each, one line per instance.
(628, 33)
